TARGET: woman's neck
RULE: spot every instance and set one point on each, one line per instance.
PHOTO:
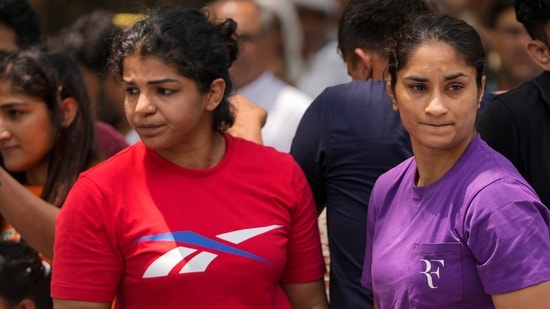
(433, 164)
(36, 176)
(202, 154)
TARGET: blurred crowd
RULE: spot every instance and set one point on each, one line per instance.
(289, 54)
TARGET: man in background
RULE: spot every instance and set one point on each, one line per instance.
(517, 123)
(508, 60)
(284, 104)
(350, 135)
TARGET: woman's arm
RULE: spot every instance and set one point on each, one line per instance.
(532, 297)
(310, 295)
(31, 216)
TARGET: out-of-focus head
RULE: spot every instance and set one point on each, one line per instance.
(317, 21)
(254, 25)
(24, 278)
(19, 25)
(509, 41)
(88, 40)
(285, 40)
(327, 7)
(368, 24)
(535, 17)
(187, 40)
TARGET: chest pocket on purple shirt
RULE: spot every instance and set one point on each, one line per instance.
(435, 275)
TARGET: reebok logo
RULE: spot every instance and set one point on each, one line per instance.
(163, 265)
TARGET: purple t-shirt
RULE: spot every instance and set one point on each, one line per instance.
(477, 231)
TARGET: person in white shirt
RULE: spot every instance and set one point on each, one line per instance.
(284, 103)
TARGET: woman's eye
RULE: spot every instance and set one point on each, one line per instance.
(131, 91)
(455, 87)
(417, 87)
(164, 91)
(14, 113)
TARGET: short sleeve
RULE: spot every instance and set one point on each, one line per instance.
(86, 265)
(305, 262)
(508, 232)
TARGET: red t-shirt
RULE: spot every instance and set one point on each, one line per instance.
(156, 235)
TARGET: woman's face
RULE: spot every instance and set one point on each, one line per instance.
(165, 108)
(437, 97)
(26, 134)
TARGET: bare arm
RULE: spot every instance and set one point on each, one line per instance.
(32, 217)
(309, 295)
(73, 304)
(532, 297)
(249, 119)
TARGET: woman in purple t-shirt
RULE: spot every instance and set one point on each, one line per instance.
(455, 226)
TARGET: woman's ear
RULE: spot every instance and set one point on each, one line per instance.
(540, 53)
(481, 91)
(215, 95)
(69, 108)
(391, 94)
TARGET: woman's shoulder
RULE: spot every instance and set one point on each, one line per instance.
(124, 160)
(254, 153)
(490, 174)
(397, 175)
(400, 168)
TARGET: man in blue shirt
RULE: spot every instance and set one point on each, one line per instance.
(350, 135)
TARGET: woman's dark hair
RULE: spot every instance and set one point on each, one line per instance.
(23, 275)
(437, 28)
(53, 77)
(185, 38)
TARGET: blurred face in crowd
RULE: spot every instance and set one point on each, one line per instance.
(8, 39)
(26, 134)
(315, 25)
(251, 61)
(510, 41)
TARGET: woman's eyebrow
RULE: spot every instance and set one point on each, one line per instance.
(455, 76)
(12, 104)
(153, 82)
(416, 78)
